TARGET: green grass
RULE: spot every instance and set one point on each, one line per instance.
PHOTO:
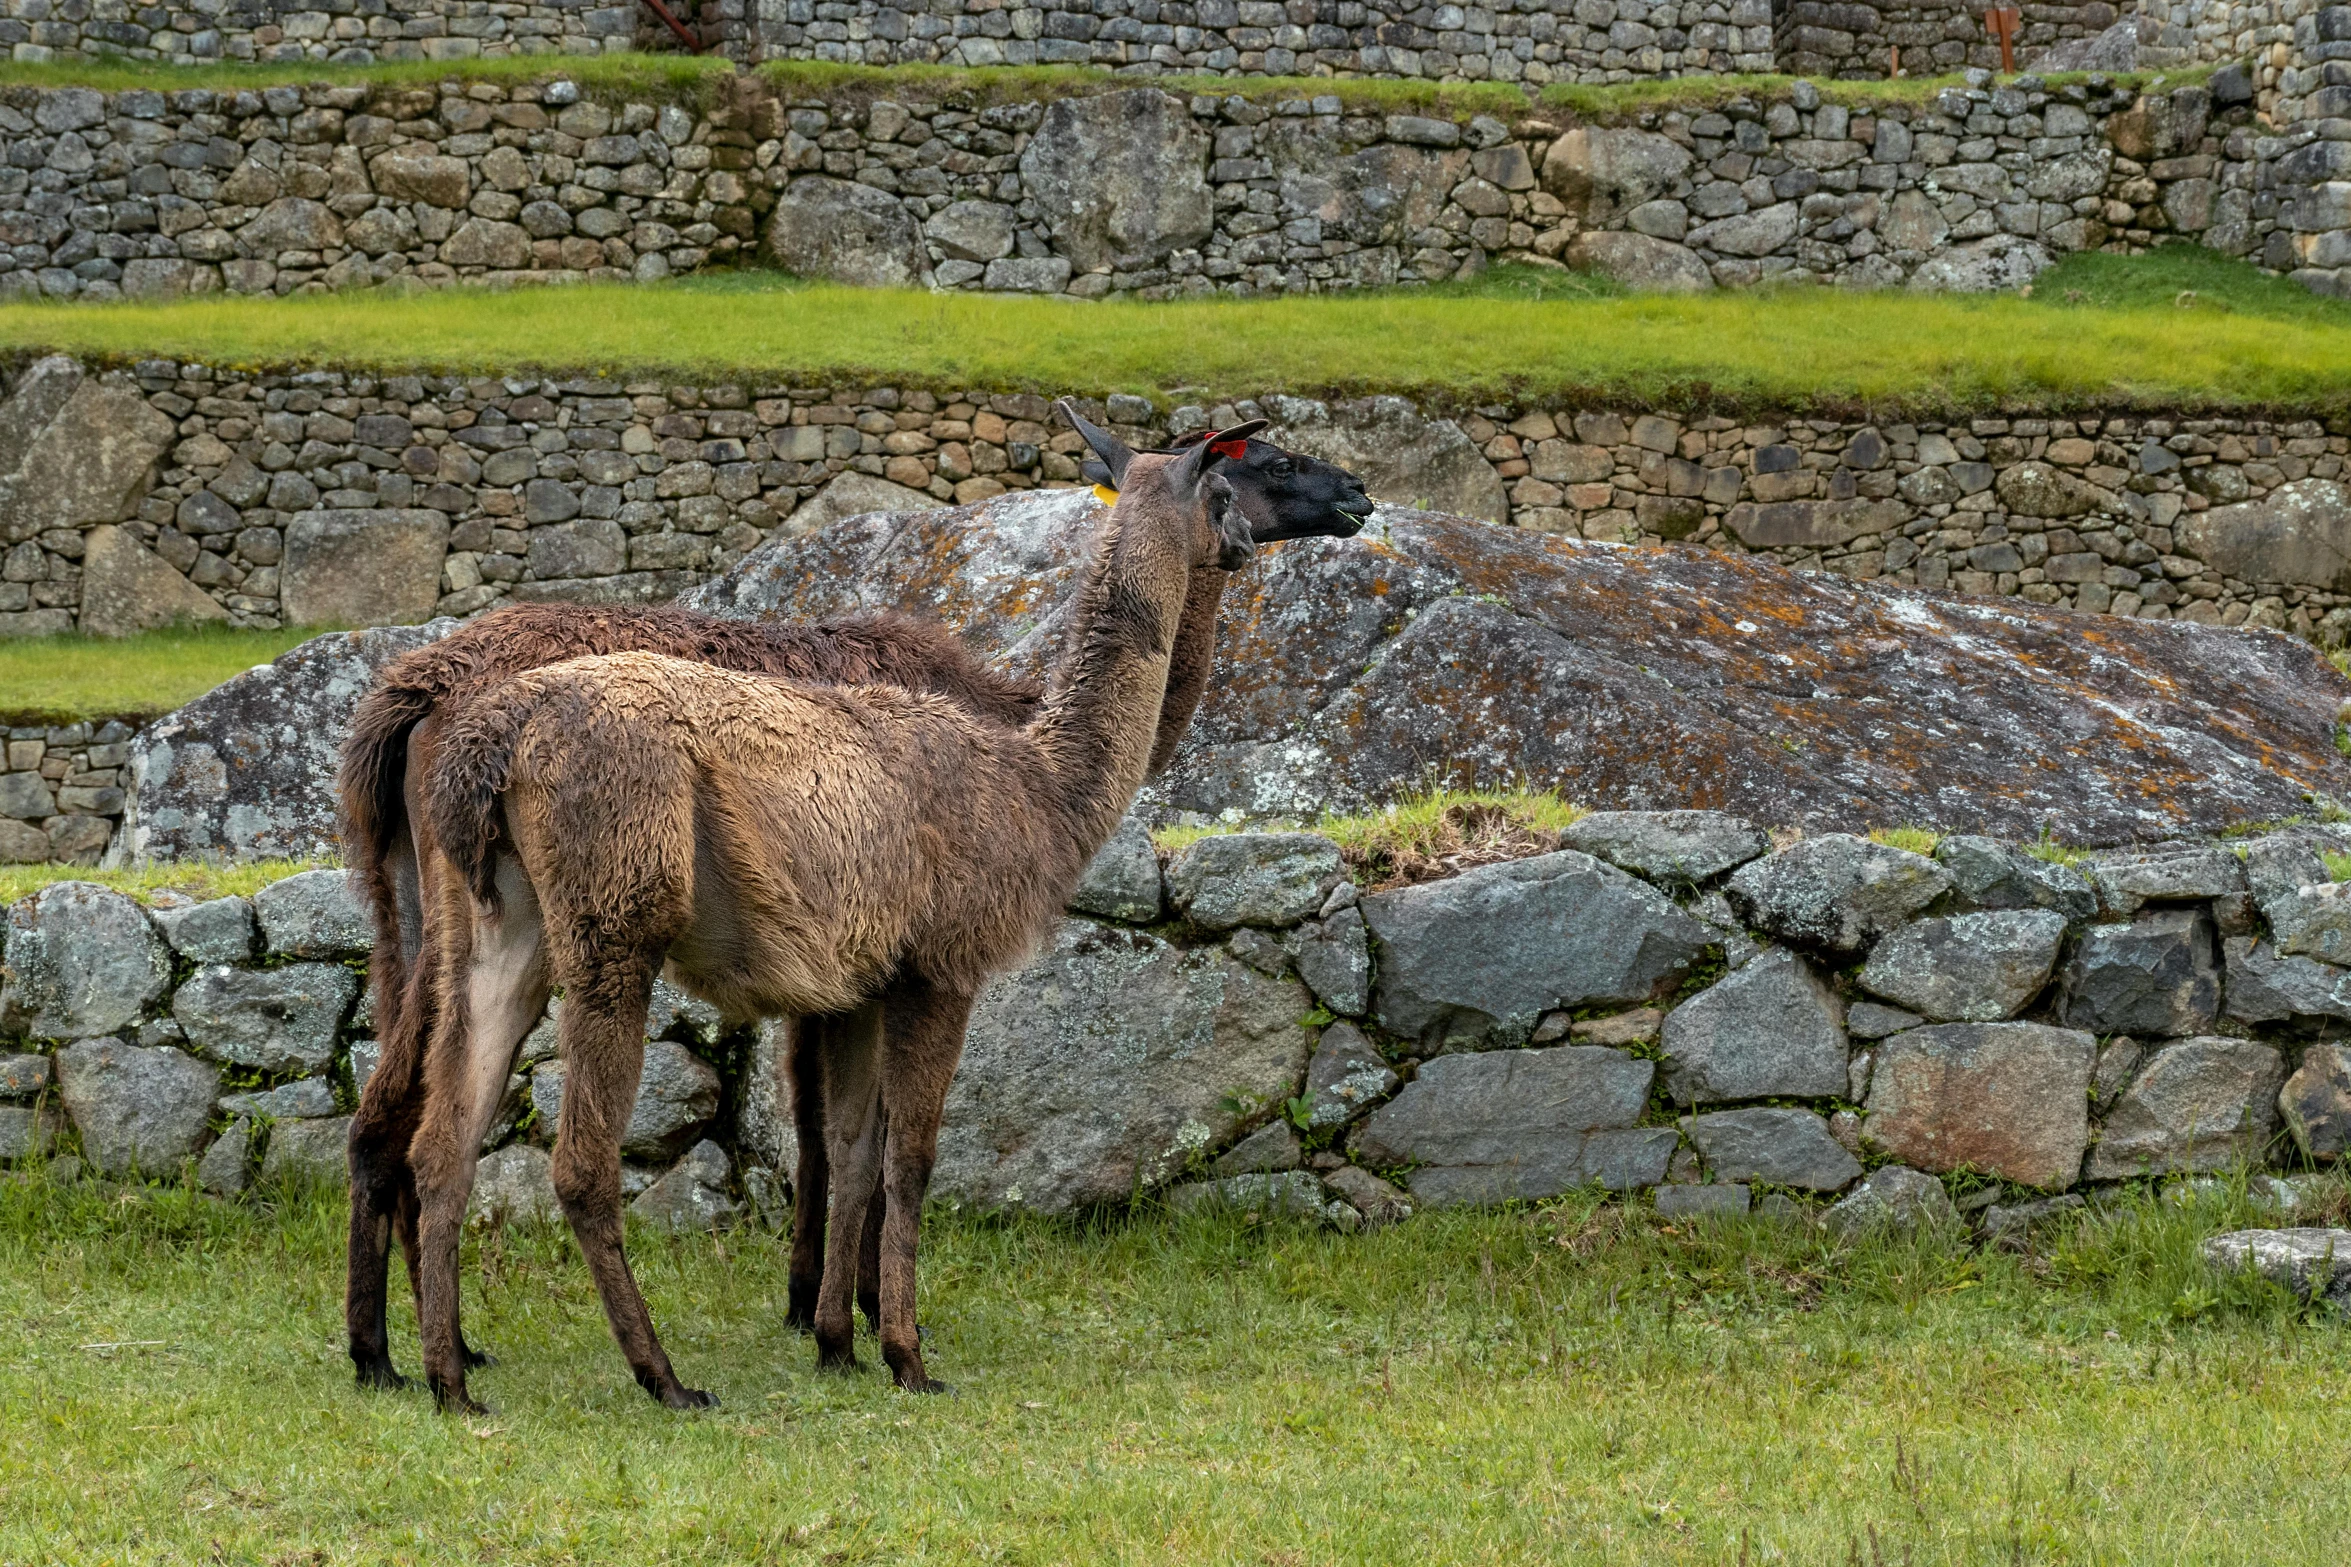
(1918, 840)
(1556, 1386)
(64, 680)
(659, 78)
(1815, 348)
(195, 879)
(1422, 835)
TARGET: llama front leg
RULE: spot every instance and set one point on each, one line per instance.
(853, 1152)
(498, 994)
(602, 1034)
(804, 1063)
(922, 1042)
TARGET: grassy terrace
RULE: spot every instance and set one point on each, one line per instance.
(1566, 1384)
(2179, 329)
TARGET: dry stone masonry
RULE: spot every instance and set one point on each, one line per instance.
(341, 32)
(1819, 1030)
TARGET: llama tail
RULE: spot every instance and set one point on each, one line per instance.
(370, 793)
(476, 760)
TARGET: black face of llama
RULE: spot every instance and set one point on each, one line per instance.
(1284, 494)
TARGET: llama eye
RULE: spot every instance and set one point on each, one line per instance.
(1280, 469)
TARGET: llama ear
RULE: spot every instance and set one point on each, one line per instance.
(1115, 453)
(1214, 446)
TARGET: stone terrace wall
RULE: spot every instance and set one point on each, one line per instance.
(338, 31)
(1854, 38)
(1838, 1022)
(1133, 192)
(1534, 41)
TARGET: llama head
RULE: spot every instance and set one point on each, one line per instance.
(1284, 494)
(1185, 491)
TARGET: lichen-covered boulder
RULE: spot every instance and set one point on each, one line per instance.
(2200, 1104)
(1669, 847)
(137, 1108)
(1120, 174)
(1122, 881)
(2007, 1099)
(1975, 968)
(677, 1094)
(1837, 893)
(81, 960)
(313, 914)
(844, 232)
(2315, 1264)
(1258, 878)
(2160, 974)
(1769, 1029)
(1988, 874)
(275, 1020)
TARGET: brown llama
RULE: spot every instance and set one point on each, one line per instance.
(784, 848)
(387, 838)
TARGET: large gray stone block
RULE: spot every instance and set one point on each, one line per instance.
(2168, 872)
(1480, 957)
(1253, 878)
(274, 1020)
(316, 914)
(1837, 892)
(1520, 1124)
(219, 930)
(127, 588)
(1401, 455)
(2158, 975)
(1771, 1028)
(1975, 968)
(691, 1196)
(1121, 174)
(365, 566)
(317, 1151)
(2005, 1099)
(2313, 1263)
(844, 232)
(1989, 874)
(82, 960)
(2313, 920)
(2266, 988)
(514, 1185)
(2298, 534)
(2200, 1104)
(1122, 881)
(1107, 1064)
(1672, 847)
(137, 1109)
(78, 450)
(1781, 1147)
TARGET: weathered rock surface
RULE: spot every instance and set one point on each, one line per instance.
(844, 232)
(764, 1129)
(1480, 957)
(1333, 955)
(1401, 455)
(1122, 882)
(1252, 878)
(1375, 1199)
(76, 449)
(692, 1195)
(2313, 1263)
(1294, 1194)
(1771, 1028)
(1123, 174)
(1838, 893)
(219, 930)
(1779, 1147)
(127, 587)
(27, 1131)
(1868, 1020)
(2173, 872)
(317, 1151)
(1892, 1198)
(1984, 266)
(514, 1185)
(1640, 261)
(2313, 920)
(1346, 1077)
(1273, 1146)
(274, 1020)
(1667, 846)
(1520, 1124)
(2316, 1102)
(2299, 533)
(2007, 1099)
(363, 566)
(1605, 170)
(314, 914)
(246, 771)
(1103, 1066)
(227, 1166)
(677, 1094)
(1990, 874)
(853, 494)
(2266, 988)
(1975, 968)
(2158, 975)
(136, 1108)
(2200, 1104)
(22, 1076)
(82, 960)
(306, 1097)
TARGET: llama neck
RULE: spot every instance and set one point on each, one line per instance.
(1187, 672)
(1102, 712)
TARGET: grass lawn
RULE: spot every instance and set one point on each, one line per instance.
(1557, 1385)
(64, 680)
(2097, 330)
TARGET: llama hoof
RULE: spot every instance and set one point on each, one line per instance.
(379, 1377)
(476, 1359)
(689, 1398)
(457, 1402)
(928, 1385)
(843, 1363)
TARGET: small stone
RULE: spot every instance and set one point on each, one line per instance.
(691, 1196)
(1781, 1208)
(1838, 892)
(2316, 1102)
(1845, 1128)
(1976, 968)
(27, 1130)
(1122, 880)
(1674, 847)
(1273, 1146)
(1334, 958)
(1346, 1077)
(1893, 1198)
(218, 931)
(308, 1097)
(1868, 1020)
(2200, 1104)
(2315, 1264)
(313, 915)
(137, 1109)
(227, 1166)
(1772, 1028)
(2118, 1063)
(1376, 1200)
(1636, 1027)
(2171, 872)
(1260, 951)
(2004, 1099)
(1295, 1194)
(1989, 874)
(2264, 987)
(2314, 920)
(318, 1151)
(2158, 975)
(514, 1185)
(22, 1076)
(1701, 1202)
(2010, 1226)
(1252, 878)
(1775, 1146)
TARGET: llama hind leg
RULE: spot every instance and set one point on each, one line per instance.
(921, 1046)
(804, 1062)
(853, 1151)
(383, 1190)
(602, 1033)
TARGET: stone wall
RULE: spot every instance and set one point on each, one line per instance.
(148, 194)
(337, 31)
(1664, 1002)
(1855, 38)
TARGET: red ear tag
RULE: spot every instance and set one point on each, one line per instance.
(1230, 451)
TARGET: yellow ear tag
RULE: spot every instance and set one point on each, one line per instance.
(1106, 495)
